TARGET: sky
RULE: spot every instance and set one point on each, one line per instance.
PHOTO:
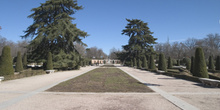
(104, 20)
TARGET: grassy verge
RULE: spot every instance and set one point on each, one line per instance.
(102, 80)
(108, 66)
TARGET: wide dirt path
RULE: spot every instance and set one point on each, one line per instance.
(29, 94)
(182, 93)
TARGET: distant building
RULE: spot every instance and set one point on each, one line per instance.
(105, 61)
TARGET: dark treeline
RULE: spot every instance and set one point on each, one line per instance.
(179, 50)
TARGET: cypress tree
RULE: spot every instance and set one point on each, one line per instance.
(19, 65)
(139, 63)
(49, 62)
(211, 63)
(192, 63)
(162, 63)
(24, 61)
(217, 65)
(132, 63)
(170, 63)
(188, 63)
(135, 63)
(178, 62)
(6, 66)
(145, 66)
(200, 69)
(152, 64)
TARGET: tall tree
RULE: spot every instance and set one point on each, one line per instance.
(140, 38)
(52, 29)
(162, 63)
(152, 64)
(200, 69)
(19, 65)
(211, 63)
(6, 67)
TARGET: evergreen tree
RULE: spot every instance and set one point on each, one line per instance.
(200, 69)
(19, 65)
(6, 66)
(188, 63)
(140, 39)
(217, 65)
(152, 64)
(132, 65)
(211, 63)
(170, 63)
(52, 29)
(178, 62)
(139, 63)
(192, 64)
(162, 63)
(49, 62)
(145, 66)
(135, 63)
(24, 61)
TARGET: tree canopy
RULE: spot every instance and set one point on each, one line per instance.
(52, 29)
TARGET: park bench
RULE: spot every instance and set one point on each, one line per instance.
(50, 71)
(210, 82)
(1, 78)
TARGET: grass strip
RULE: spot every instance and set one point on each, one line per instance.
(102, 80)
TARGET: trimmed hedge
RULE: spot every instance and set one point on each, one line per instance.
(49, 62)
(6, 66)
(19, 65)
(200, 69)
(145, 66)
(170, 63)
(162, 63)
(152, 63)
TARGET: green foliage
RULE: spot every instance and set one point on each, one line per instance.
(144, 64)
(19, 65)
(6, 67)
(217, 65)
(49, 62)
(52, 29)
(200, 69)
(162, 63)
(135, 62)
(24, 61)
(211, 63)
(152, 64)
(192, 64)
(132, 65)
(65, 61)
(170, 63)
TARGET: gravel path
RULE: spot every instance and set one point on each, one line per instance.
(28, 94)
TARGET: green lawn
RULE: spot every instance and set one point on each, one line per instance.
(102, 80)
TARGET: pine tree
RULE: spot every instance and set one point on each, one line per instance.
(200, 69)
(192, 64)
(49, 62)
(6, 66)
(19, 65)
(170, 63)
(217, 65)
(145, 66)
(211, 63)
(24, 61)
(152, 64)
(162, 62)
(52, 29)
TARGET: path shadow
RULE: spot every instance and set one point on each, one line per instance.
(149, 84)
(168, 78)
(201, 85)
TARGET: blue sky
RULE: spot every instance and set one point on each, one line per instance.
(104, 20)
